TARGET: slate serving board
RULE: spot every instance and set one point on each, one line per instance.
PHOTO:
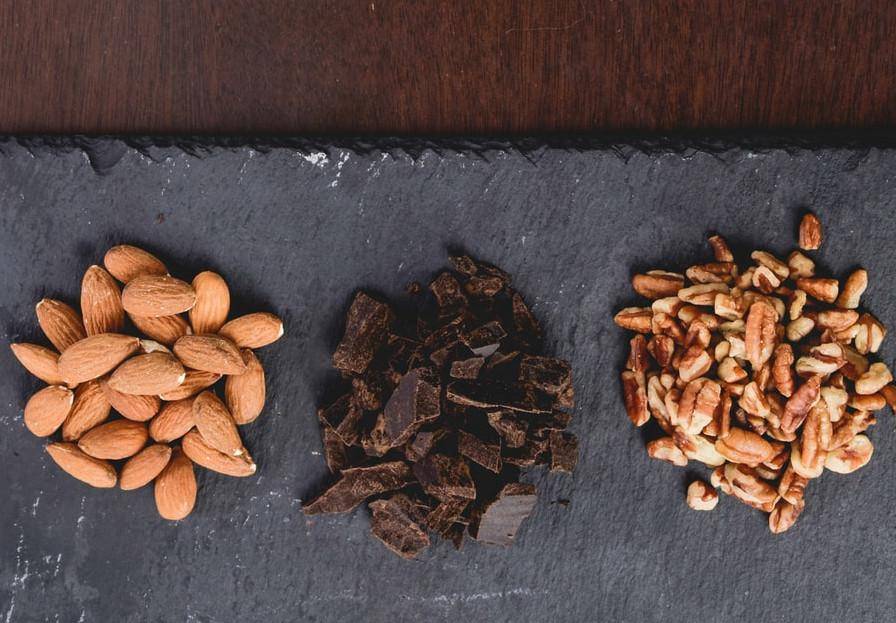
(297, 227)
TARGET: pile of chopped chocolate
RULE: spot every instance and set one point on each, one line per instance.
(442, 410)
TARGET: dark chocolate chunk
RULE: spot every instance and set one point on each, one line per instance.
(523, 319)
(510, 426)
(448, 293)
(334, 451)
(368, 391)
(366, 328)
(466, 368)
(484, 286)
(499, 521)
(487, 455)
(549, 374)
(443, 517)
(497, 395)
(484, 340)
(344, 418)
(392, 525)
(533, 452)
(564, 451)
(445, 478)
(359, 483)
(421, 444)
(464, 264)
(414, 402)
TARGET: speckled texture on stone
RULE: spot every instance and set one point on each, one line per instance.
(296, 229)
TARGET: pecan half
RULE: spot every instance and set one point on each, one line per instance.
(753, 400)
(765, 280)
(668, 305)
(657, 284)
(852, 290)
(852, 423)
(662, 348)
(698, 403)
(769, 261)
(634, 319)
(784, 515)
(874, 379)
(664, 449)
(800, 265)
(835, 400)
(870, 335)
(847, 459)
(748, 487)
(807, 470)
(819, 288)
(743, 446)
(720, 249)
(701, 496)
(800, 403)
(694, 363)
(702, 294)
(792, 486)
(638, 360)
(799, 328)
(816, 437)
(713, 272)
(730, 371)
(782, 370)
(796, 304)
(760, 334)
(810, 232)
(635, 395)
(836, 319)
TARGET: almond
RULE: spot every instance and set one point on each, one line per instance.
(175, 489)
(85, 468)
(47, 409)
(210, 353)
(90, 408)
(60, 323)
(126, 262)
(96, 355)
(253, 330)
(245, 393)
(173, 421)
(142, 468)
(39, 361)
(137, 408)
(157, 295)
(114, 440)
(148, 375)
(216, 425)
(101, 302)
(163, 329)
(212, 303)
(201, 453)
(196, 381)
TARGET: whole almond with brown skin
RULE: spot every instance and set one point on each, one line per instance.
(137, 408)
(90, 408)
(125, 262)
(60, 323)
(245, 393)
(212, 303)
(175, 488)
(114, 440)
(47, 409)
(173, 421)
(201, 453)
(163, 329)
(142, 468)
(85, 468)
(148, 375)
(101, 302)
(253, 330)
(196, 381)
(157, 295)
(39, 361)
(216, 425)
(210, 353)
(96, 355)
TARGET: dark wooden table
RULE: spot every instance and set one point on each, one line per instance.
(437, 66)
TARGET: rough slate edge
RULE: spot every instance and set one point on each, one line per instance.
(104, 152)
(865, 598)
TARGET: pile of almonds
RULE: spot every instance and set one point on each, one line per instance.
(761, 374)
(162, 396)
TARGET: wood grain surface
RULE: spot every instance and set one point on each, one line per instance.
(443, 67)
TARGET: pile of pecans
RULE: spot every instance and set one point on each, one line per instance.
(163, 397)
(761, 374)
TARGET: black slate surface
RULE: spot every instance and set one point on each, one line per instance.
(296, 229)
